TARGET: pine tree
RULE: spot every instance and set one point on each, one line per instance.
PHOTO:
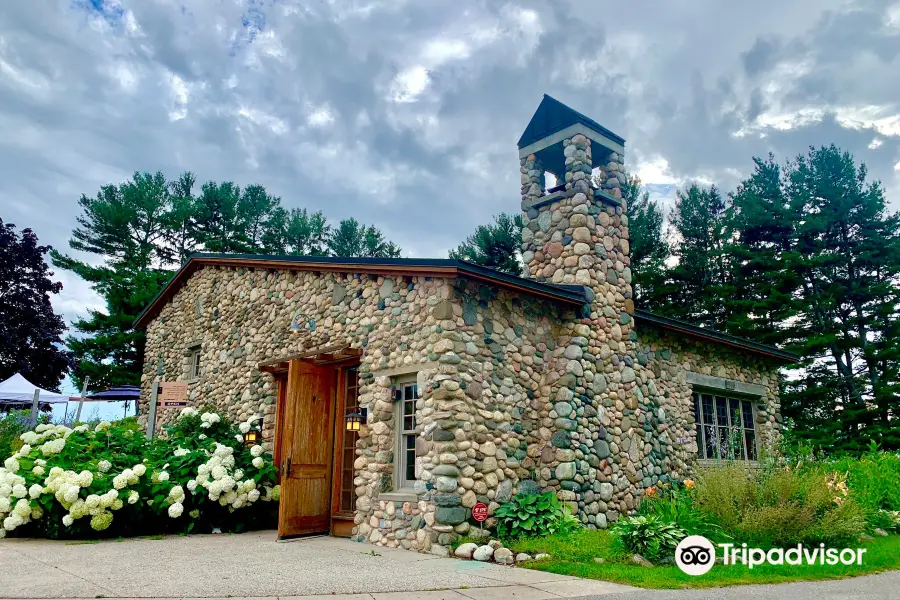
(351, 238)
(816, 263)
(695, 284)
(495, 245)
(127, 226)
(649, 248)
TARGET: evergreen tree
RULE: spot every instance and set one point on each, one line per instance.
(30, 332)
(297, 232)
(495, 245)
(182, 235)
(816, 263)
(351, 238)
(219, 225)
(695, 284)
(648, 246)
(127, 226)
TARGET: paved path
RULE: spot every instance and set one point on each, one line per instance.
(254, 565)
(884, 586)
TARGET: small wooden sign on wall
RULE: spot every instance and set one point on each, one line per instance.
(172, 394)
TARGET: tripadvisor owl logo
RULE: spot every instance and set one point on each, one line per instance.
(696, 555)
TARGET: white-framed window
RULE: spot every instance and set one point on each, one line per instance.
(406, 394)
(194, 363)
(726, 427)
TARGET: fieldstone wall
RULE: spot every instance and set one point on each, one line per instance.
(667, 358)
(240, 317)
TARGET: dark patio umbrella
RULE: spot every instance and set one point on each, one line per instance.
(122, 393)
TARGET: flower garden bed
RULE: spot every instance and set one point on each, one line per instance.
(109, 480)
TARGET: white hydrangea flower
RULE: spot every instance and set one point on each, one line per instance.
(203, 469)
(92, 501)
(11, 464)
(120, 481)
(68, 520)
(4, 504)
(239, 438)
(22, 508)
(176, 493)
(53, 446)
(256, 451)
(139, 470)
(238, 474)
(244, 427)
(258, 462)
(102, 426)
(133, 497)
(35, 491)
(43, 427)
(202, 436)
(192, 485)
(71, 494)
(253, 495)
(19, 491)
(222, 450)
(218, 472)
(40, 462)
(37, 512)
(181, 452)
(195, 513)
(188, 412)
(29, 437)
(84, 479)
(24, 450)
(104, 465)
(117, 504)
(37, 470)
(175, 510)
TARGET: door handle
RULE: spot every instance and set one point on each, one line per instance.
(287, 468)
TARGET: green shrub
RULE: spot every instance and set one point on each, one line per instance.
(874, 482)
(648, 535)
(674, 503)
(780, 506)
(530, 515)
(109, 480)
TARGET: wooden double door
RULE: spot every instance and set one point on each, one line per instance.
(315, 450)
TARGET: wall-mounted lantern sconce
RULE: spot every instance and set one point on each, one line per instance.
(355, 420)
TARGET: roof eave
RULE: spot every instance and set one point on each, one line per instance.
(716, 336)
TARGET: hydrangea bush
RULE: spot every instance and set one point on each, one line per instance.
(110, 480)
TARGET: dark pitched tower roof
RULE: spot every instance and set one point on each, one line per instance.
(552, 116)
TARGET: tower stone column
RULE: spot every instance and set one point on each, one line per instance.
(579, 236)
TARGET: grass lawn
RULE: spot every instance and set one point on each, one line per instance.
(574, 555)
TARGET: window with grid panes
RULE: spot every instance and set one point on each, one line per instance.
(194, 364)
(409, 393)
(726, 427)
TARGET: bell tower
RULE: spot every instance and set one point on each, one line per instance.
(576, 233)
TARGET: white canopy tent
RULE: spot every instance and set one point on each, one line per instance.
(18, 390)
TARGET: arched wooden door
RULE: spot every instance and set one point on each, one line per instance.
(307, 447)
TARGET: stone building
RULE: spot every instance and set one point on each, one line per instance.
(398, 393)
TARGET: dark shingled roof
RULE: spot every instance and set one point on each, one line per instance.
(552, 116)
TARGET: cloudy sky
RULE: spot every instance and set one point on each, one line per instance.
(406, 113)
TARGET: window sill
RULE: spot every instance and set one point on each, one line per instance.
(399, 496)
(712, 462)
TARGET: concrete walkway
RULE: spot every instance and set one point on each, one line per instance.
(254, 565)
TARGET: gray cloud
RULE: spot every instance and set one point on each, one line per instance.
(405, 114)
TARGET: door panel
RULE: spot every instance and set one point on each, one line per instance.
(307, 449)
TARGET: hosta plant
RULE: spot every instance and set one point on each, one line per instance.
(648, 535)
(109, 480)
(530, 515)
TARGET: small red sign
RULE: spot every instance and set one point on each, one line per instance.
(479, 512)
